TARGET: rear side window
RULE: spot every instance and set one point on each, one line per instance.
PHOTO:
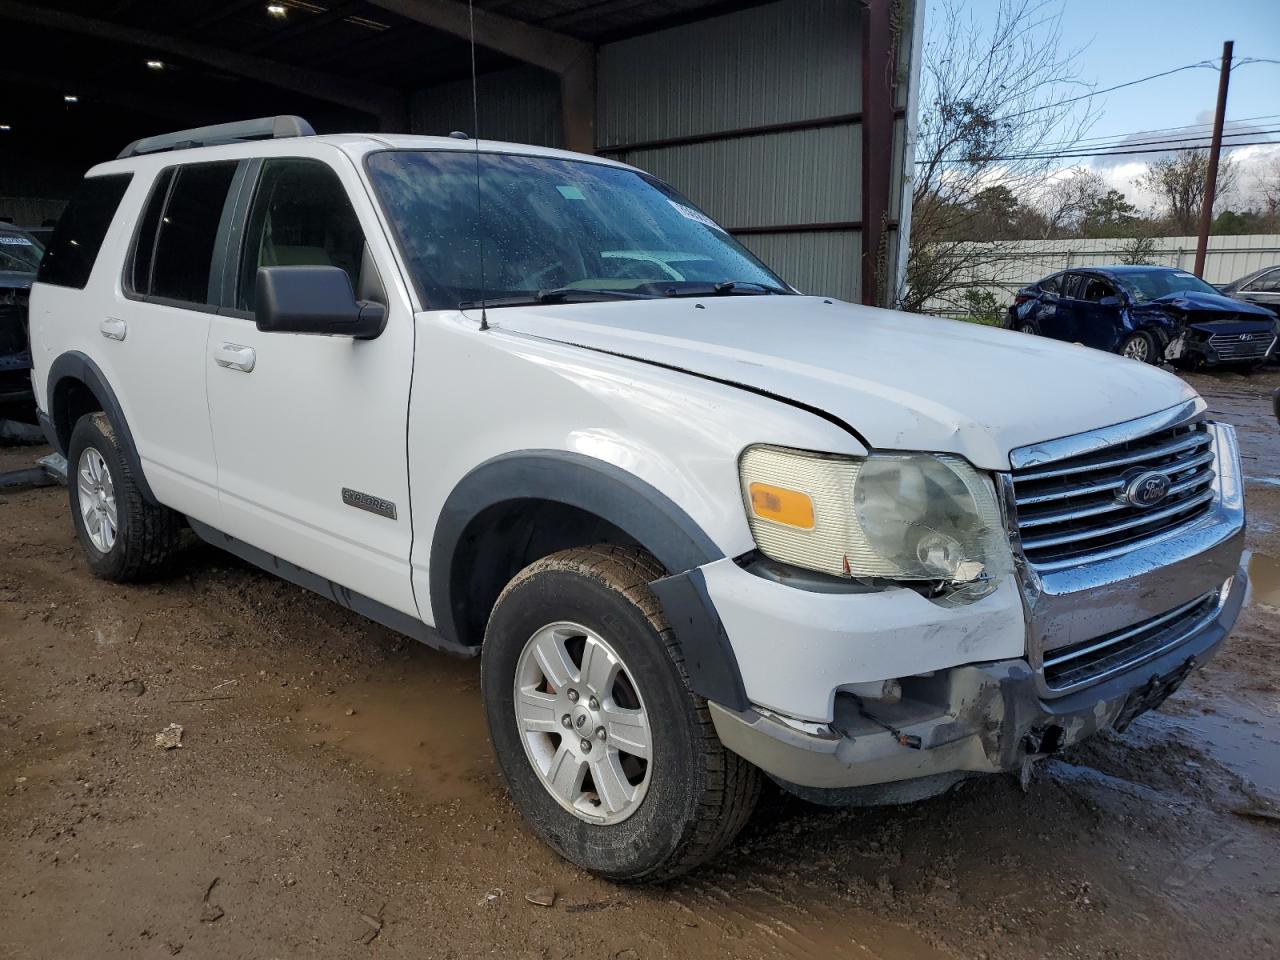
(144, 245)
(69, 258)
(188, 232)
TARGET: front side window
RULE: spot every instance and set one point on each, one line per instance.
(1267, 283)
(188, 232)
(540, 225)
(301, 216)
(1147, 285)
(76, 240)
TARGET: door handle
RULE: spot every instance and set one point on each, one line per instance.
(113, 328)
(233, 356)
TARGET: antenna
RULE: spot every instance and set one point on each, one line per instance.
(475, 133)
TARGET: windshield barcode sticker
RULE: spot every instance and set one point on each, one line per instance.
(690, 214)
(15, 241)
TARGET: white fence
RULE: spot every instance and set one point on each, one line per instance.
(1018, 263)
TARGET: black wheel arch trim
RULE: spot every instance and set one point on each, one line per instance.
(74, 365)
(620, 498)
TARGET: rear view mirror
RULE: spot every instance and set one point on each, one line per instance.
(314, 299)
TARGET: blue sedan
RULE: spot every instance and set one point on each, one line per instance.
(1150, 314)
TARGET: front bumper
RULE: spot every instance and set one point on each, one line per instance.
(978, 718)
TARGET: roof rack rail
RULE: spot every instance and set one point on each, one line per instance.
(264, 128)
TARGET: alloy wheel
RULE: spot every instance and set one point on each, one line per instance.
(583, 723)
(97, 494)
(1138, 349)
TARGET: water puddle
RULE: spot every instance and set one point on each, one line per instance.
(421, 723)
(1264, 580)
(1243, 737)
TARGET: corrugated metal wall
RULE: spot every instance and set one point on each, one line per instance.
(790, 62)
(521, 105)
(753, 115)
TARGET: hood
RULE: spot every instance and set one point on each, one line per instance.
(901, 380)
(1195, 302)
(14, 280)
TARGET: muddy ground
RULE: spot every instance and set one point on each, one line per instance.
(334, 795)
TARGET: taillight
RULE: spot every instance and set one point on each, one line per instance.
(1021, 298)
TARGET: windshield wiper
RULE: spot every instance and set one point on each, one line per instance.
(556, 295)
(724, 288)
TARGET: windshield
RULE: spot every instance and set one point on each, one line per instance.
(18, 252)
(552, 229)
(1144, 285)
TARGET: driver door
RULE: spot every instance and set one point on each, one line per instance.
(308, 428)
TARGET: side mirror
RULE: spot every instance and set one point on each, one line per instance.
(1111, 301)
(314, 299)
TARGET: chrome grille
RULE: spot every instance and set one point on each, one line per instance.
(1073, 510)
(1092, 660)
(1234, 346)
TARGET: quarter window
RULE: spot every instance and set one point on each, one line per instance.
(1052, 285)
(69, 258)
(188, 232)
(301, 216)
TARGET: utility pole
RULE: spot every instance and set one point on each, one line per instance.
(1215, 150)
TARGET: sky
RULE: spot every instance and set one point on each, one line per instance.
(1122, 40)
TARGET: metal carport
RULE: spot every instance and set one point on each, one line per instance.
(788, 121)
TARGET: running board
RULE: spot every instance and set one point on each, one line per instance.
(357, 602)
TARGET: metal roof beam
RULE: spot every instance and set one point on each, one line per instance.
(572, 60)
(547, 49)
(386, 104)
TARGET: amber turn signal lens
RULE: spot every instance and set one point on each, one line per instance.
(781, 505)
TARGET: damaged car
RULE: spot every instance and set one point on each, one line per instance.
(19, 258)
(1149, 314)
(698, 533)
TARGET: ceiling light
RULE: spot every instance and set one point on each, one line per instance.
(5, 128)
(276, 9)
(155, 64)
(70, 98)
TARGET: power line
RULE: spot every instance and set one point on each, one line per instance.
(1184, 140)
(1118, 86)
(1108, 153)
(1122, 139)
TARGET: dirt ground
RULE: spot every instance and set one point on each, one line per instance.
(334, 795)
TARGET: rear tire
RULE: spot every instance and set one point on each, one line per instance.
(1139, 346)
(124, 537)
(691, 795)
(1028, 327)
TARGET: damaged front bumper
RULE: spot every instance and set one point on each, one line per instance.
(979, 718)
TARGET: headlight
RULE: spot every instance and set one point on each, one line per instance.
(907, 516)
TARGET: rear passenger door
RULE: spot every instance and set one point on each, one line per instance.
(1062, 322)
(298, 418)
(159, 327)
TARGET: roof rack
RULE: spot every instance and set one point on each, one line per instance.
(264, 128)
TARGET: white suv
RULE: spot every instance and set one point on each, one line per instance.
(535, 406)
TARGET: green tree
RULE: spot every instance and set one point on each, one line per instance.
(1110, 215)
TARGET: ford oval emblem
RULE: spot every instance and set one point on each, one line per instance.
(1147, 489)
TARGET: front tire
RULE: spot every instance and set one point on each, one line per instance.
(605, 749)
(124, 537)
(1139, 346)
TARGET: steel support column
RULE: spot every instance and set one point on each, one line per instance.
(879, 86)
